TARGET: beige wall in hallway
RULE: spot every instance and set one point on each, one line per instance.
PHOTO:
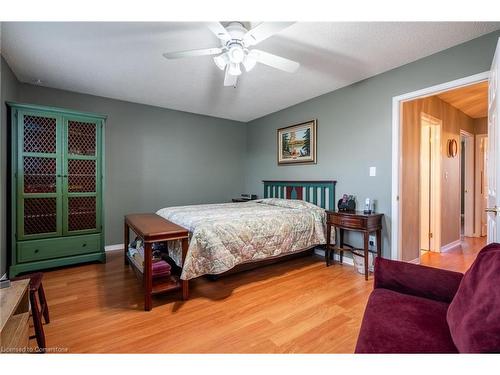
(453, 121)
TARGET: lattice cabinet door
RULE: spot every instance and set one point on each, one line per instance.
(39, 174)
(82, 175)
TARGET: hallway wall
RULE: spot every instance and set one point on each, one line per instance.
(481, 125)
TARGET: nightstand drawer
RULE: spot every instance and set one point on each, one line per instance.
(346, 221)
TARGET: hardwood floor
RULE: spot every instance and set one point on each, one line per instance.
(458, 259)
(299, 306)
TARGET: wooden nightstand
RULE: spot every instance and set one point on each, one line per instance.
(353, 221)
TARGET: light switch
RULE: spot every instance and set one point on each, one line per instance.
(373, 171)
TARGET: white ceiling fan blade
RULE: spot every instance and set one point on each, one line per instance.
(192, 53)
(274, 61)
(230, 80)
(264, 31)
(219, 30)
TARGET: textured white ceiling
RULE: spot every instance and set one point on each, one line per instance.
(124, 60)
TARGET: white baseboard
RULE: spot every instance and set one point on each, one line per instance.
(346, 260)
(415, 261)
(451, 245)
(118, 246)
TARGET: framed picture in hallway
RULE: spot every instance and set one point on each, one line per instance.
(296, 144)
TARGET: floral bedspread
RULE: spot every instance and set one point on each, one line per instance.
(225, 235)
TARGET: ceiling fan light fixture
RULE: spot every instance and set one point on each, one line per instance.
(236, 54)
(234, 69)
(249, 63)
(221, 61)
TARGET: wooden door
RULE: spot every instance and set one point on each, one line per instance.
(493, 152)
(82, 175)
(39, 180)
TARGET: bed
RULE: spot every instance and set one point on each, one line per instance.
(289, 220)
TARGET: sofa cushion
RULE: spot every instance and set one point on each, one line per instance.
(474, 313)
(417, 280)
(402, 323)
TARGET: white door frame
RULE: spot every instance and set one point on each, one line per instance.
(397, 102)
(493, 150)
(469, 199)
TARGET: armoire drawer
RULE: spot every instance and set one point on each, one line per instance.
(29, 251)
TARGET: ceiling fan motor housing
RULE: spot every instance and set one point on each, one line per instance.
(236, 30)
(235, 46)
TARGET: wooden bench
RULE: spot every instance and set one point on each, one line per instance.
(153, 228)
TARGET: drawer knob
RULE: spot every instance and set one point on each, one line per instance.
(84, 245)
(36, 251)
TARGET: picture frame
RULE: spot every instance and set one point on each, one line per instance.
(296, 144)
(452, 148)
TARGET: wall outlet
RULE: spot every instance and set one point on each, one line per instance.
(372, 242)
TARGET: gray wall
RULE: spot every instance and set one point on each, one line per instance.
(157, 157)
(354, 127)
(8, 91)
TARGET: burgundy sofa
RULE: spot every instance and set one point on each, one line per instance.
(418, 309)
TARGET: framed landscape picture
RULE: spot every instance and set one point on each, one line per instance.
(297, 143)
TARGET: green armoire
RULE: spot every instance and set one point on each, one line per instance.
(56, 188)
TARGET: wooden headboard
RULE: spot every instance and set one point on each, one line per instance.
(320, 193)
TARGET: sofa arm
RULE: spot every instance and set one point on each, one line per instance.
(417, 280)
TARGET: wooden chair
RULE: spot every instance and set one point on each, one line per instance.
(39, 306)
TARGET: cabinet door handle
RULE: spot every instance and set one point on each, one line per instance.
(84, 245)
(36, 251)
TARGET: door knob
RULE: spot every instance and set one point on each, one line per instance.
(495, 210)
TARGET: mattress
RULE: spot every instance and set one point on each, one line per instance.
(221, 236)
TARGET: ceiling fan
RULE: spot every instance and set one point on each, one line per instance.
(236, 42)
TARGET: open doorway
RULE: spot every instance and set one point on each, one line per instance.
(443, 171)
(430, 183)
